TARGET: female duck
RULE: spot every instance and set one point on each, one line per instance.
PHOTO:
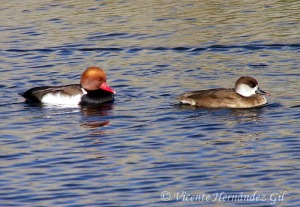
(245, 94)
(92, 89)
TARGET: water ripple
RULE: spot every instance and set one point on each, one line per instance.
(128, 152)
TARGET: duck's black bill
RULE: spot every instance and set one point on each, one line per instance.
(261, 92)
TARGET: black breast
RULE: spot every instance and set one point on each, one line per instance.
(96, 97)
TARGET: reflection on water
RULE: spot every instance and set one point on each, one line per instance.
(94, 113)
(97, 110)
(128, 152)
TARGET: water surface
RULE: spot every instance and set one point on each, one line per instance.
(129, 152)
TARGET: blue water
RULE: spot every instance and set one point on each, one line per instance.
(145, 147)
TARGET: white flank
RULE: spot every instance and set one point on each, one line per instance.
(57, 98)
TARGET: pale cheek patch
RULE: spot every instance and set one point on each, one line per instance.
(246, 90)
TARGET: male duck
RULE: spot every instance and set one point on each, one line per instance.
(92, 89)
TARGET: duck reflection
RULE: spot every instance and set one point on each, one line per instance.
(94, 125)
(97, 110)
(93, 117)
(250, 115)
(241, 115)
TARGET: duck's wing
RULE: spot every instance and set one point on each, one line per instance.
(203, 93)
(36, 94)
(212, 98)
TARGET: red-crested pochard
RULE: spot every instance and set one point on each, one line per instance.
(92, 89)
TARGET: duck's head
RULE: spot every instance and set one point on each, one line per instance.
(248, 86)
(94, 78)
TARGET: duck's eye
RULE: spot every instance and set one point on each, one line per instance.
(252, 85)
